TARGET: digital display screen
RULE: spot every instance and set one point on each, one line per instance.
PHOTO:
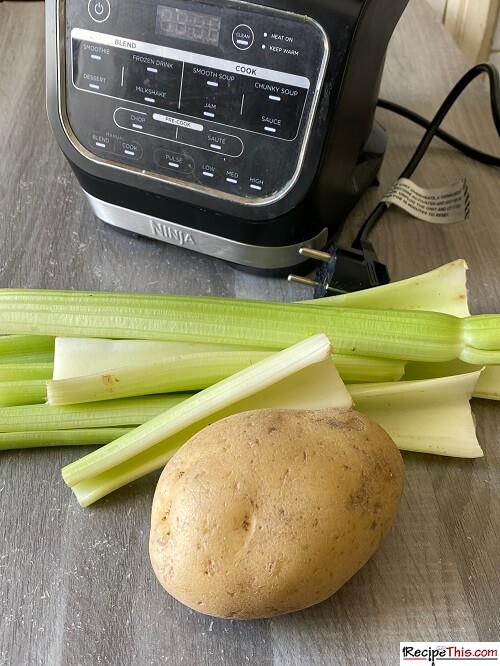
(193, 26)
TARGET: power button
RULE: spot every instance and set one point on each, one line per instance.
(99, 10)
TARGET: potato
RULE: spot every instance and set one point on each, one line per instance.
(271, 511)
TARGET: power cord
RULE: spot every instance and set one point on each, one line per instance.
(345, 269)
(465, 148)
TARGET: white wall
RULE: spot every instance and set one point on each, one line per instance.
(495, 50)
(471, 25)
(439, 6)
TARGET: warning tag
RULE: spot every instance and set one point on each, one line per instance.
(440, 205)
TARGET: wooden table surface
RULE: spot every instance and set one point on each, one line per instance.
(76, 587)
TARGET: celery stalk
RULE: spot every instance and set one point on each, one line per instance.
(107, 414)
(27, 359)
(14, 372)
(324, 390)
(190, 372)
(441, 290)
(73, 437)
(480, 356)
(200, 406)
(482, 332)
(26, 352)
(17, 345)
(25, 392)
(395, 334)
(76, 357)
(429, 416)
(354, 369)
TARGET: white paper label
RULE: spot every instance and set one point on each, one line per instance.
(439, 205)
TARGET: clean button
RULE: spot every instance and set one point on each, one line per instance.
(99, 10)
(243, 37)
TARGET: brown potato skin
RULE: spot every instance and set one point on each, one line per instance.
(271, 511)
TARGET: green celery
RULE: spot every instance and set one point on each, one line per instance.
(482, 332)
(398, 334)
(480, 356)
(320, 378)
(205, 404)
(189, 372)
(107, 414)
(14, 372)
(324, 391)
(73, 437)
(28, 359)
(17, 345)
(77, 357)
(431, 416)
(24, 392)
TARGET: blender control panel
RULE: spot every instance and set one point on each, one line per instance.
(216, 98)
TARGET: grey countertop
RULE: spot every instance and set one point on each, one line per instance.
(76, 587)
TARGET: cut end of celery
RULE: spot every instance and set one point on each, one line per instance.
(426, 416)
(443, 290)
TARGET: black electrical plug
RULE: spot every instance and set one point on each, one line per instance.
(344, 269)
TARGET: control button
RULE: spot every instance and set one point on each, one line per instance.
(208, 171)
(167, 159)
(152, 80)
(273, 109)
(130, 149)
(216, 142)
(256, 184)
(95, 82)
(101, 141)
(95, 68)
(226, 144)
(243, 37)
(130, 119)
(99, 10)
(232, 177)
(211, 94)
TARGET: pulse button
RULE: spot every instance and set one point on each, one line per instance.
(167, 159)
(99, 10)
